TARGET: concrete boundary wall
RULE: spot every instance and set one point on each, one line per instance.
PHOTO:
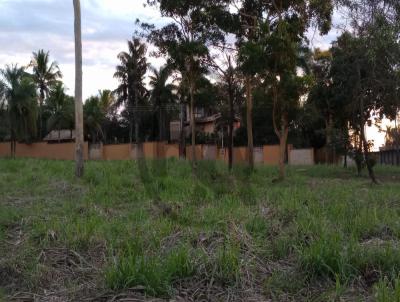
(268, 155)
(271, 155)
(198, 152)
(301, 157)
(96, 151)
(116, 152)
(5, 149)
(62, 151)
(171, 151)
(210, 152)
(258, 155)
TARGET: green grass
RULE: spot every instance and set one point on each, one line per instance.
(323, 234)
(155, 273)
(387, 291)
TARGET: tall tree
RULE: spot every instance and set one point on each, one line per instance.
(185, 42)
(19, 99)
(94, 117)
(107, 101)
(262, 29)
(131, 91)
(45, 74)
(59, 109)
(368, 85)
(241, 18)
(270, 34)
(79, 141)
(326, 101)
(162, 96)
(4, 125)
(230, 90)
(368, 59)
(392, 137)
(321, 97)
(249, 14)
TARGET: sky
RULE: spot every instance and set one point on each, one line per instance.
(30, 25)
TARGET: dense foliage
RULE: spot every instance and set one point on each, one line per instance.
(245, 60)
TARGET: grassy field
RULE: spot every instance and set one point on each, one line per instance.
(152, 230)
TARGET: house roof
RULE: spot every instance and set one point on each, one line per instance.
(208, 119)
(211, 118)
(63, 134)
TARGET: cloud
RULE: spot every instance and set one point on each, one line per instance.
(325, 41)
(29, 25)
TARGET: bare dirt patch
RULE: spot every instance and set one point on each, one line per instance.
(64, 275)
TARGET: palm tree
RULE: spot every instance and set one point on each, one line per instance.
(107, 101)
(94, 114)
(132, 91)
(45, 74)
(162, 94)
(60, 109)
(78, 91)
(4, 126)
(18, 95)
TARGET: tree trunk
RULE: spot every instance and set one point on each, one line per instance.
(78, 91)
(328, 147)
(160, 125)
(359, 156)
(366, 155)
(231, 121)
(282, 146)
(130, 131)
(193, 125)
(136, 131)
(13, 148)
(41, 100)
(281, 132)
(362, 129)
(136, 115)
(182, 137)
(249, 107)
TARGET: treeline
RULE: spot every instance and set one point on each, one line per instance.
(250, 59)
(34, 102)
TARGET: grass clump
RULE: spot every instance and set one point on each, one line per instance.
(327, 256)
(227, 264)
(283, 282)
(154, 273)
(386, 291)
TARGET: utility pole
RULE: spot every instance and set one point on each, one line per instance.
(79, 141)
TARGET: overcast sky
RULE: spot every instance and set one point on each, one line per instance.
(30, 25)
